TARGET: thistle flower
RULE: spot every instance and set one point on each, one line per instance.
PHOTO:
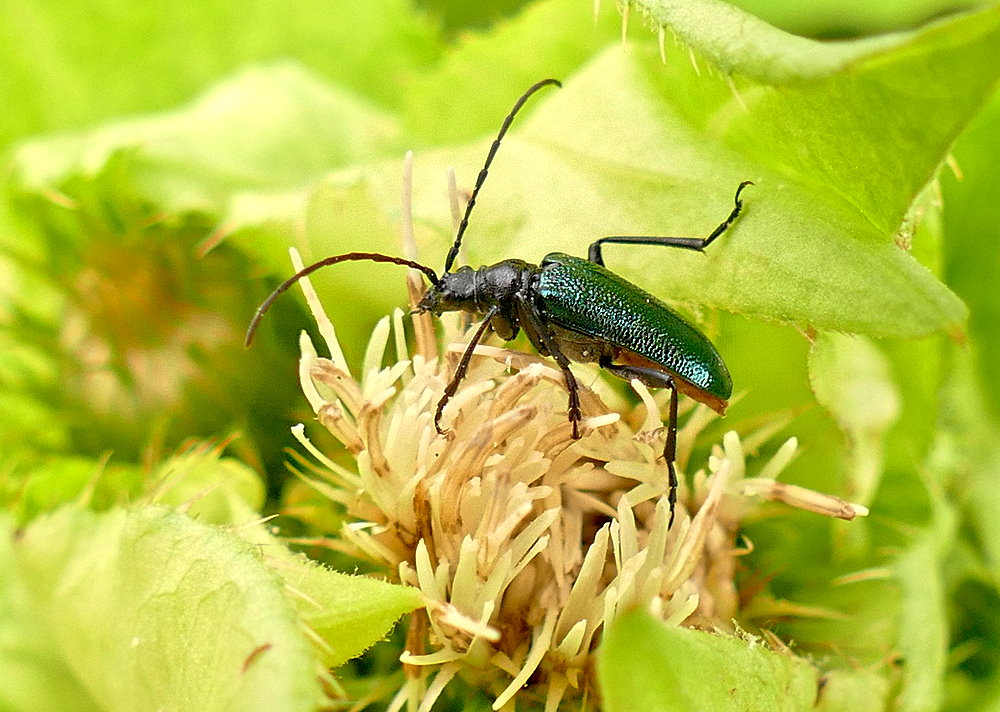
(525, 542)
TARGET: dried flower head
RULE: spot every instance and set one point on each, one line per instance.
(524, 541)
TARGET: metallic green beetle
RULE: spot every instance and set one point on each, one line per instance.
(572, 309)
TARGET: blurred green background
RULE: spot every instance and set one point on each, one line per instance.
(159, 160)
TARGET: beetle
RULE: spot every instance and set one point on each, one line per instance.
(571, 309)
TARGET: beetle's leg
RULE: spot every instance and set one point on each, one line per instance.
(535, 327)
(688, 243)
(657, 379)
(463, 366)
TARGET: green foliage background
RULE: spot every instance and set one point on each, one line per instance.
(855, 299)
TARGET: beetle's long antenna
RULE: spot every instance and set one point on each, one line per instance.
(306, 271)
(453, 253)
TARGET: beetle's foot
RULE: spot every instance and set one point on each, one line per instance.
(438, 412)
(575, 416)
(437, 422)
(739, 189)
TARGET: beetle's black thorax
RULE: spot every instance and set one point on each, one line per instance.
(478, 290)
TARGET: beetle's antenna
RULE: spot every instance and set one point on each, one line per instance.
(453, 253)
(306, 271)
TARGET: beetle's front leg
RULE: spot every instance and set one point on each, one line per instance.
(541, 335)
(463, 367)
(657, 379)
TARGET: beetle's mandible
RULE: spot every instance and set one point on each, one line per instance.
(571, 309)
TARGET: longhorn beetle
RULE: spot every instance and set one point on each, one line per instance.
(572, 309)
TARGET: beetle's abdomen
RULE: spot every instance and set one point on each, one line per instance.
(587, 298)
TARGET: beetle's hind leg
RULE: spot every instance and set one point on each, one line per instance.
(463, 367)
(657, 379)
(688, 243)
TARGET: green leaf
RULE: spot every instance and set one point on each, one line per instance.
(350, 613)
(962, 546)
(269, 127)
(35, 676)
(738, 42)
(852, 379)
(473, 86)
(851, 690)
(34, 488)
(971, 215)
(972, 448)
(645, 665)
(141, 609)
(923, 618)
(849, 18)
(213, 489)
(67, 65)
(177, 610)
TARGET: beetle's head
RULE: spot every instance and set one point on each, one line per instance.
(455, 291)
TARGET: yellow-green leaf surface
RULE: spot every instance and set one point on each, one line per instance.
(269, 126)
(210, 488)
(350, 613)
(147, 609)
(474, 83)
(849, 690)
(736, 41)
(852, 379)
(923, 635)
(645, 665)
(971, 215)
(143, 608)
(67, 64)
